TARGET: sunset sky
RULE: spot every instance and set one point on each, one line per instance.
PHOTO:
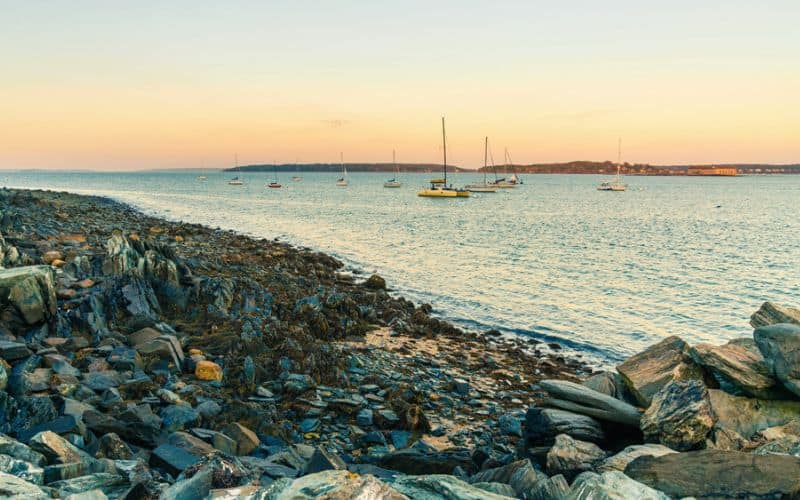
(139, 85)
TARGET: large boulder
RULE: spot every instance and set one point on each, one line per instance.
(780, 346)
(772, 314)
(719, 474)
(14, 487)
(437, 486)
(649, 371)
(569, 457)
(542, 425)
(613, 485)
(747, 416)
(580, 399)
(331, 484)
(680, 416)
(415, 462)
(31, 290)
(740, 368)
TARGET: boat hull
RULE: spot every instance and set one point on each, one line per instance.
(437, 193)
(392, 184)
(481, 189)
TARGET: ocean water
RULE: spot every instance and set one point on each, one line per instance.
(602, 273)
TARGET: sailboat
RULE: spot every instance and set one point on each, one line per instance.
(393, 182)
(237, 181)
(514, 179)
(439, 187)
(342, 181)
(616, 183)
(296, 177)
(483, 187)
(503, 182)
(274, 184)
(202, 176)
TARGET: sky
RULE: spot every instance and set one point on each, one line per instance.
(143, 84)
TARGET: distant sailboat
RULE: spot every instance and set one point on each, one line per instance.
(274, 184)
(616, 183)
(439, 187)
(202, 176)
(393, 182)
(237, 181)
(296, 177)
(503, 182)
(483, 187)
(342, 181)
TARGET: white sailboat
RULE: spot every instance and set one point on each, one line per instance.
(202, 176)
(342, 181)
(503, 182)
(483, 187)
(616, 183)
(296, 177)
(393, 182)
(237, 181)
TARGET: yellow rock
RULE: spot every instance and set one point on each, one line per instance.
(51, 256)
(57, 263)
(195, 352)
(208, 370)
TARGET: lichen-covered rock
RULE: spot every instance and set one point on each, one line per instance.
(208, 370)
(14, 487)
(569, 457)
(746, 416)
(680, 416)
(31, 290)
(621, 460)
(438, 486)
(613, 485)
(520, 475)
(780, 346)
(331, 484)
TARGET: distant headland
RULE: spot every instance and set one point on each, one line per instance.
(572, 167)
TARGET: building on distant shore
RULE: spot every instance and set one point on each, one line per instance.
(724, 171)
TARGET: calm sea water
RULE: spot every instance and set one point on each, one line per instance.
(603, 273)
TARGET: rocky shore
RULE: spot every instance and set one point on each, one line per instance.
(141, 358)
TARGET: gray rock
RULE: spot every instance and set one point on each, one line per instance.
(497, 488)
(649, 371)
(14, 487)
(747, 416)
(88, 495)
(179, 417)
(542, 425)
(519, 475)
(99, 480)
(719, 474)
(511, 425)
(611, 486)
(31, 290)
(364, 418)
(198, 486)
(12, 351)
(333, 484)
(437, 486)
(580, 399)
(15, 449)
(100, 381)
(323, 460)
(621, 460)
(58, 450)
(246, 440)
(780, 346)
(680, 416)
(772, 314)
(22, 469)
(739, 367)
(224, 443)
(569, 457)
(415, 462)
(173, 459)
(3, 377)
(553, 488)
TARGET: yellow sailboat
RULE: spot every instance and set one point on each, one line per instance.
(439, 187)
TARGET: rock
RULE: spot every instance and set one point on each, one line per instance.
(783, 446)
(542, 425)
(88, 495)
(719, 474)
(56, 449)
(511, 425)
(31, 290)
(246, 440)
(99, 480)
(20, 451)
(364, 418)
(739, 367)
(208, 370)
(649, 371)
(164, 347)
(680, 416)
(375, 282)
(621, 460)
(437, 486)
(190, 443)
(520, 475)
(497, 488)
(612, 485)
(134, 428)
(554, 488)
(415, 462)
(788, 430)
(102, 380)
(3, 377)
(323, 460)
(747, 416)
(580, 399)
(111, 446)
(49, 257)
(333, 484)
(12, 351)
(198, 486)
(569, 457)
(780, 346)
(772, 314)
(179, 417)
(172, 459)
(224, 444)
(14, 487)
(22, 469)
(61, 425)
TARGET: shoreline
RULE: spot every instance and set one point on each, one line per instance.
(143, 358)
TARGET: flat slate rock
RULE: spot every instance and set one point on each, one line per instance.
(542, 425)
(719, 474)
(580, 399)
(746, 416)
(175, 460)
(772, 314)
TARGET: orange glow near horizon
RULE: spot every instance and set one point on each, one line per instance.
(127, 107)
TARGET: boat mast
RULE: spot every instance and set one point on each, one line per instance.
(394, 162)
(619, 155)
(444, 152)
(485, 154)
